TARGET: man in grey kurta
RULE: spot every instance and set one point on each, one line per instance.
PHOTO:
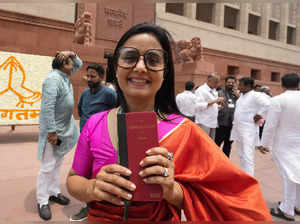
(58, 131)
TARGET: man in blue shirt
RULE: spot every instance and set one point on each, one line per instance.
(95, 99)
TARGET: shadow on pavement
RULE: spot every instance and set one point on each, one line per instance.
(13, 137)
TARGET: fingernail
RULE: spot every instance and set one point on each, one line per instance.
(141, 163)
(148, 151)
(121, 202)
(129, 196)
(128, 172)
(132, 186)
(141, 173)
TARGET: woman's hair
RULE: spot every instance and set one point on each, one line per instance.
(165, 96)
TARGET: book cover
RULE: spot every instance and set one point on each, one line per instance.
(138, 133)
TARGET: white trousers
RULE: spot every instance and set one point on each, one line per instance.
(246, 154)
(291, 194)
(48, 179)
(210, 131)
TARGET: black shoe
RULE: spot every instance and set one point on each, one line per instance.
(81, 216)
(60, 199)
(44, 211)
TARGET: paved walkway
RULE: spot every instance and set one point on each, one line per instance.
(19, 168)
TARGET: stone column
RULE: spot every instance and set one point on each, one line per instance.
(91, 8)
(219, 14)
(298, 25)
(190, 10)
(284, 19)
(244, 17)
(160, 8)
(265, 17)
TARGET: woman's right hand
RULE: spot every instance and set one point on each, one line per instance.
(110, 186)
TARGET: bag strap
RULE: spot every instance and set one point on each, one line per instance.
(123, 153)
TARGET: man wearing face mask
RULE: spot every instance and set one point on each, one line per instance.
(97, 97)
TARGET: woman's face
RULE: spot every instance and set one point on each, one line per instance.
(139, 82)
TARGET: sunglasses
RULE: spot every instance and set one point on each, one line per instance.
(154, 59)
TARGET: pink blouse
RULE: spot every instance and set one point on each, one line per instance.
(95, 149)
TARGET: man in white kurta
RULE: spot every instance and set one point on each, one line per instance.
(282, 128)
(250, 107)
(207, 102)
(186, 101)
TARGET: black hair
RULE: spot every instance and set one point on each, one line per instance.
(256, 86)
(57, 63)
(247, 81)
(230, 77)
(265, 89)
(290, 80)
(98, 68)
(165, 96)
(189, 85)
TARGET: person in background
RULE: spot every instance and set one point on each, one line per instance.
(282, 136)
(58, 131)
(265, 90)
(193, 173)
(256, 88)
(207, 104)
(251, 106)
(96, 98)
(186, 101)
(225, 115)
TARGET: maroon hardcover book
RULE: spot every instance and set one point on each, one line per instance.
(138, 133)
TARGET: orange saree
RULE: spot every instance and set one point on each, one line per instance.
(214, 189)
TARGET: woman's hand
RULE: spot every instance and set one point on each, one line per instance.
(110, 186)
(159, 169)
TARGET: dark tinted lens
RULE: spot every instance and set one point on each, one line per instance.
(155, 59)
(128, 57)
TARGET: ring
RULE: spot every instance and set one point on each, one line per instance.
(170, 156)
(165, 173)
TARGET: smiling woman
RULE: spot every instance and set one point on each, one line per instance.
(197, 178)
(140, 70)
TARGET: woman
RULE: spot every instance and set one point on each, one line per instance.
(199, 179)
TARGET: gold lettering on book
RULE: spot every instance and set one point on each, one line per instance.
(154, 195)
(141, 126)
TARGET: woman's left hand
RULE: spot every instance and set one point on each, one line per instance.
(158, 168)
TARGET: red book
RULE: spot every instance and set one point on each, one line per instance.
(137, 134)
